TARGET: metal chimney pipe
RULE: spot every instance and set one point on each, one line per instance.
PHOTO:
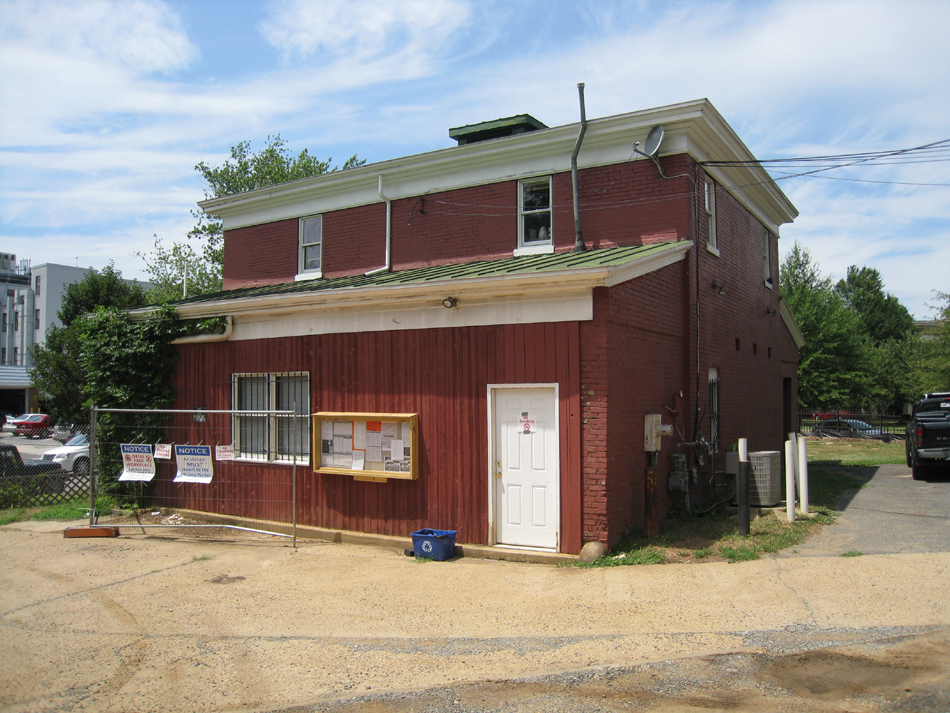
(579, 245)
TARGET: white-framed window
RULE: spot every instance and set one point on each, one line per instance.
(310, 259)
(534, 214)
(710, 201)
(766, 258)
(260, 434)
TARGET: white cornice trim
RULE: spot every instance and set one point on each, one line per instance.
(694, 127)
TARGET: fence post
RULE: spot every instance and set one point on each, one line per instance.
(93, 471)
(296, 451)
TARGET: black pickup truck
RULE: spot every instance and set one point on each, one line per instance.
(928, 435)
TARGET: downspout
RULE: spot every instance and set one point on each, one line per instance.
(579, 246)
(201, 338)
(389, 231)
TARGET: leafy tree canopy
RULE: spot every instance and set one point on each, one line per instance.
(58, 373)
(934, 361)
(242, 171)
(104, 288)
(832, 364)
(863, 350)
(881, 315)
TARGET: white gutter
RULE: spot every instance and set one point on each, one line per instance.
(389, 231)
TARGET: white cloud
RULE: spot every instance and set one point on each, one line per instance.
(102, 118)
(363, 30)
(142, 35)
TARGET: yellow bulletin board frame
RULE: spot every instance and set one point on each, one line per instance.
(344, 441)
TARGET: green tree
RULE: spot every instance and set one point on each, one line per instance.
(243, 171)
(126, 365)
(833, 367)
(933, 365)
(882, 317)
(57, 371)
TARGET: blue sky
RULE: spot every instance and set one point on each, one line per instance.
(107, 106)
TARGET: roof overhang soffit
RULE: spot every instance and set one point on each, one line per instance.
(790, 323)
(535, 285)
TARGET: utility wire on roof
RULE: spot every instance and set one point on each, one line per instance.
(940, 147)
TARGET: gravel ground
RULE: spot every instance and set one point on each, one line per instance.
(174, 625)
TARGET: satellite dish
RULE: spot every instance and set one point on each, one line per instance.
(654, 139)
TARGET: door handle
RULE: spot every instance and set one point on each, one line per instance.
(498, 474)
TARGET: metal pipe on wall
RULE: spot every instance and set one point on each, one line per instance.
(579, 245)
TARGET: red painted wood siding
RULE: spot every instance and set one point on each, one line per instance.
(441, 374)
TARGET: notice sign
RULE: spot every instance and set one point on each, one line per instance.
(527, 422)
(224, 452)
(137, 462)
(163, 451)
(194, 464)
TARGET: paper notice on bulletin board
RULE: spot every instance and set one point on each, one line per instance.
(361, 443)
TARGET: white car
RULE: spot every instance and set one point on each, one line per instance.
(72, 456)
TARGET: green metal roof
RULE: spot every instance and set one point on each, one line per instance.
(507, 126)
(527, 264)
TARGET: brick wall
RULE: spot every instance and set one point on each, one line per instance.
(624, 204)
(260, 254)
(639, 355)
(633, 362)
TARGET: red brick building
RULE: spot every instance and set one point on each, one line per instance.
(447, 286)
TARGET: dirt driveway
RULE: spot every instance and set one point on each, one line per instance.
(146, 624)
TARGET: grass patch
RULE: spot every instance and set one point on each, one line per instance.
(854, 451)
(715, 537)
(13, 515)
(61, 512)
(852, 553)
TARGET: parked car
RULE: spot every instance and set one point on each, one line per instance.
(35, 425)
(848, 428)
(63, 432)
(34, 477)
(12, 421)
(73, 456)
(927, 445)
(13, 465)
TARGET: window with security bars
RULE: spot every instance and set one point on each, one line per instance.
(260, 433)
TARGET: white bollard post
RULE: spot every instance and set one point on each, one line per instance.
(743, 450)
(793, 437)
(803, 474)
(790, 480)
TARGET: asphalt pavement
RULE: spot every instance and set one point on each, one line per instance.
(890, 513)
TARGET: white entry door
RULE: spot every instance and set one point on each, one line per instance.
(526, 470)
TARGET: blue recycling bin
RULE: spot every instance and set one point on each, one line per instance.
(436, 545)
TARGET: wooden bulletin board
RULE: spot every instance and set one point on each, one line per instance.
(367, 446)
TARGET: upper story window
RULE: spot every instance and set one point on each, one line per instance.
(710, 200)
(534, 215)
(766, 259)
(36, 289)
(310, 259)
